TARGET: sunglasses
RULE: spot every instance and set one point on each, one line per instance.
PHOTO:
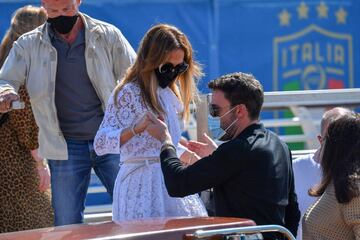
(169, 68)
(213, 110)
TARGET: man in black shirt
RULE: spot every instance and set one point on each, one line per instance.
(251, 173)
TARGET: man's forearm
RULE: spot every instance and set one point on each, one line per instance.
(172, 171)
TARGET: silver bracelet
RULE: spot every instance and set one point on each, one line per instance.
(133, 129)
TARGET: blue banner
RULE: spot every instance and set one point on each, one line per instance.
(287, 45)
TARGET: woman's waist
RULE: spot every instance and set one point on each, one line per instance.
(139, 159)
(132, 165)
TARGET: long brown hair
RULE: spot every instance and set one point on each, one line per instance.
(340, 160)
(24, 20)
(154, 48)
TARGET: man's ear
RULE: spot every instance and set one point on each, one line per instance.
(319, 139)
(241, 110)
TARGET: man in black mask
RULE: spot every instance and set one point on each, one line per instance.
(251, 173)
(70, 66)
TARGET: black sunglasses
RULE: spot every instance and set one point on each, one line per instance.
(213, 110)
(169, 68)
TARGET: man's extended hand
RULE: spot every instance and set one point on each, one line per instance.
(6, 98)
(203, 149)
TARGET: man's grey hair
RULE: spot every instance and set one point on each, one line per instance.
(332, 115)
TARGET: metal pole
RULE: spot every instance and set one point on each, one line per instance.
(245, 230)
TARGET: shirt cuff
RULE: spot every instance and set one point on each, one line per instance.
(167, 144)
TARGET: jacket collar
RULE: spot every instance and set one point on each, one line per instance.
(250, 129)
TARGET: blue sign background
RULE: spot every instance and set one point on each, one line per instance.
(227, 35)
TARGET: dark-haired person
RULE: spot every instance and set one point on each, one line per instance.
(336, 214)
(251, 173)
(69, 66)
(307, 171)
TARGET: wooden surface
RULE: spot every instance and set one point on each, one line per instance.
(157, 228)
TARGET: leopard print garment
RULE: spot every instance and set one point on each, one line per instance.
(22, 205)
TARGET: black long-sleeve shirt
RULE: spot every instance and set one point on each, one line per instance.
(251, 175)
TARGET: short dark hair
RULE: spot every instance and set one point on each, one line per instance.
(241, 88)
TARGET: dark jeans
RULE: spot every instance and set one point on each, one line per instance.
(70, 179)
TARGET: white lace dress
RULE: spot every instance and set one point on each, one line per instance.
(140, 190)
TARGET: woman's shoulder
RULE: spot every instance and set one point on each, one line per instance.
(131, 88)
(128, 92)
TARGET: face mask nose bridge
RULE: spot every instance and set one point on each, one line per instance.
(214, 125)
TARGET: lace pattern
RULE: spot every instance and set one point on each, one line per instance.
(143, 194)
(140, 190)
(130, 107)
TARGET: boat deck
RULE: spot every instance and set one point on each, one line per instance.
(155, 229)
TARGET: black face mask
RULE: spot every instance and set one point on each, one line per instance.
(63, 24)
(167, 73)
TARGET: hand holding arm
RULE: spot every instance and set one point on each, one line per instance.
(6, 98)
(136, 128)
(158, 129)
(120, 120)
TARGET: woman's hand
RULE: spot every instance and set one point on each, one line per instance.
(6, 98)
(143, 122)
(44, 175)
(158, 129)
(42, 170)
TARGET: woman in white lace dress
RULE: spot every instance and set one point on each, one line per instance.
(161, 82)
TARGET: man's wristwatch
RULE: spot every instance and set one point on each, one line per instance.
(167, 144)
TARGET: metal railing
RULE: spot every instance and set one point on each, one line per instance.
(300, 103)
(312, 98)
(240, 232)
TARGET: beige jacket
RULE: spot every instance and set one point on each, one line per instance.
(327, 219)
(33, 61)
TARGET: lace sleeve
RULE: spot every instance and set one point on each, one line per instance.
(117, 118)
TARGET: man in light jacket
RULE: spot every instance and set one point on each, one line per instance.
(69, 66)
